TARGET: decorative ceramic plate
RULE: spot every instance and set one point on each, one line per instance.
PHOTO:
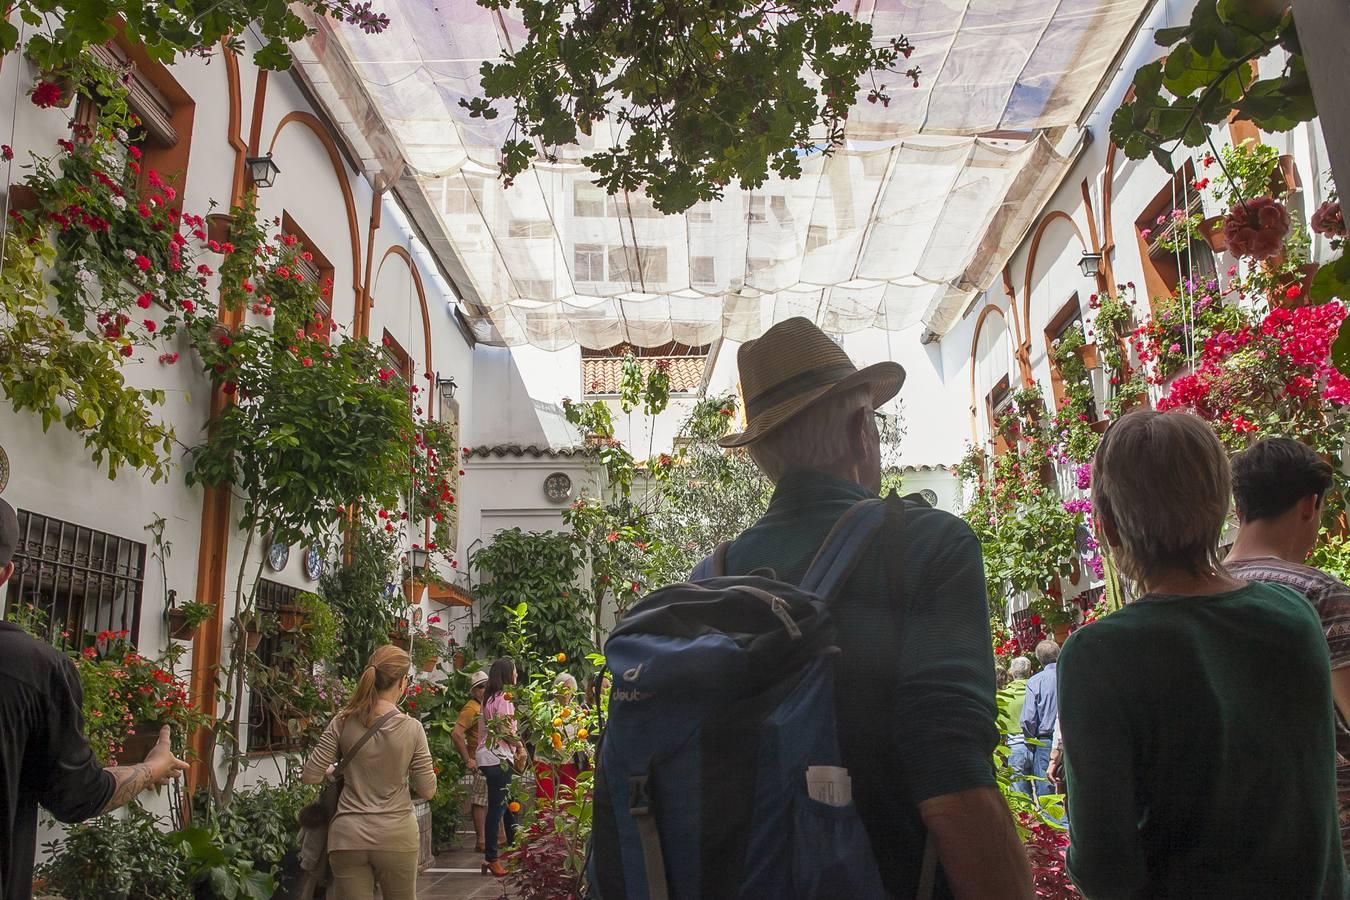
(314, 564)
(558, 487)
(278, 555)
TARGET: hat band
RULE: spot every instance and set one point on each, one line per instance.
(798, 384)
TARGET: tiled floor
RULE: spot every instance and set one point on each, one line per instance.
(455, 876)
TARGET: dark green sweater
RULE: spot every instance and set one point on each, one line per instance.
(916, 675)
(1198, 735)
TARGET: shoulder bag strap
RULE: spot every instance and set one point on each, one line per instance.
(361, 742)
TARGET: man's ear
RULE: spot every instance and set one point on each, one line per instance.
(1310, 507)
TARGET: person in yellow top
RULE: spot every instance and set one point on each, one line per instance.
(373, 836)
(465, 736)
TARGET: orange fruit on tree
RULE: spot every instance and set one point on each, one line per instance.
(562, 657)
(583, 734)
(567, 712)
(513, 806)
(557, 723)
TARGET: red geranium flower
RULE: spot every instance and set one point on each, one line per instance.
(47, 94)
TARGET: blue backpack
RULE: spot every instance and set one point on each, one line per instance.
(719, 773)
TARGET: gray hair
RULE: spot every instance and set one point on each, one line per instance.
(1047, 652)
(1020, 667)
(566, 680)
(811, 439)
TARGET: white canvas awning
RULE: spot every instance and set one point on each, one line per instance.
(906, 223)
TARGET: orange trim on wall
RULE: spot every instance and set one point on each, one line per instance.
(312, 122)
(259, 103)
(361, 321)
(213, 549)
(974, 345)
(1031, 260)
(404, 255)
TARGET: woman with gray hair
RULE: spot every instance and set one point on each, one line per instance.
(1182, 709)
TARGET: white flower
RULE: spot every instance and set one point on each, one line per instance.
(159, 278)
(129, 253)
(122, 135)
(120, 203)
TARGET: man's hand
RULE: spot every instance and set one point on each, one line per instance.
(1055, 769)
(164, 766)
(160, 767)
(978, 845)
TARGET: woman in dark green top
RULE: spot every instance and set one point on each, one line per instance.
(1197, 721)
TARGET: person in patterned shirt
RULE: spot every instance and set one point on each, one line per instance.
(1278, 486)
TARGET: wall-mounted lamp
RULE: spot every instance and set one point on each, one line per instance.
(1091, 264)
(447, 387)
(417, 559)
(262, 171)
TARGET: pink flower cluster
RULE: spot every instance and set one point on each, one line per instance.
(1256, 228)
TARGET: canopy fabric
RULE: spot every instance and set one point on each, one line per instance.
(906, 223)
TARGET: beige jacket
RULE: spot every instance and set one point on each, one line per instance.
(375, 811)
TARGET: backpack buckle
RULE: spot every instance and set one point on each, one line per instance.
(639, 796)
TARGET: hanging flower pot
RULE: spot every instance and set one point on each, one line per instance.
(1284, 180)
(458, 659)
(1087, 354)
(1062, 630)
(180, 627)
(1100, 426)
(400, 639)
(1294, 289)
(413, 589)
(1212, 229)
(429, 665)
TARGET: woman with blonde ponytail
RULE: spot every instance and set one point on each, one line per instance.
(373, 837)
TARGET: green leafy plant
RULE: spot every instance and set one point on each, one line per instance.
(361, 594)
(261, 822)
(125, 857)
(170, 30)
(318, 628)
(425, 651)
(1207, 78)
(542, 570)
(195, 613)
(219, 868)
(729, 90)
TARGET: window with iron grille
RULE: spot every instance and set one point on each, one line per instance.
(269, 727)
(83, 581)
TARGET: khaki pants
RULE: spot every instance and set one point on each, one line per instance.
(355, 873)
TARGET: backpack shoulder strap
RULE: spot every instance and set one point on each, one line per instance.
(361, 742)
(712, 566)
(845, 545)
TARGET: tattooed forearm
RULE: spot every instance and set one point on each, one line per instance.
(130, 781)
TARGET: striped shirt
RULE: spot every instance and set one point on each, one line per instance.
(1331, 599)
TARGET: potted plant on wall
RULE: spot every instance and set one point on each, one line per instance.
(183, 621)
(425, 653)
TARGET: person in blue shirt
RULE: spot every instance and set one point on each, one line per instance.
(1039, 712)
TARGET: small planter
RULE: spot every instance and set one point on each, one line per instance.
(429, 665)
(1088, 355)
(21, 198)
(1284, 180)
(1062, 630)
(252, 638)
(1212, 229)
(218, 227)
(458, 660)
(1100, 426)
(413, 589)
(401, 641)
(179, 627)
(1300, 278)
(139, 743)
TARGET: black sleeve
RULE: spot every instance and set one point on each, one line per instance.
(74, 787)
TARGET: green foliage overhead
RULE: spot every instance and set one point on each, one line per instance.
(697, 94)
(1208, 76)
(56, 32)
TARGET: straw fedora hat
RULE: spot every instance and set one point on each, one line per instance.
(795, 364)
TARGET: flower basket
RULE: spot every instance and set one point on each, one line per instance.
(138, 743)
(252, 637)
(22, 197)
(1212, 229)
(458, 659)
(180, 629)
(1300, 278)
(413, 588)
(1087, 353)
(218, 227)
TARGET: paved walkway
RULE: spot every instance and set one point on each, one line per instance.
(455, 876)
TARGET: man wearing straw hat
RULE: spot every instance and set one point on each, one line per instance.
(915, 677)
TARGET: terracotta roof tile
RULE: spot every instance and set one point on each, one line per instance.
(602, 375)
